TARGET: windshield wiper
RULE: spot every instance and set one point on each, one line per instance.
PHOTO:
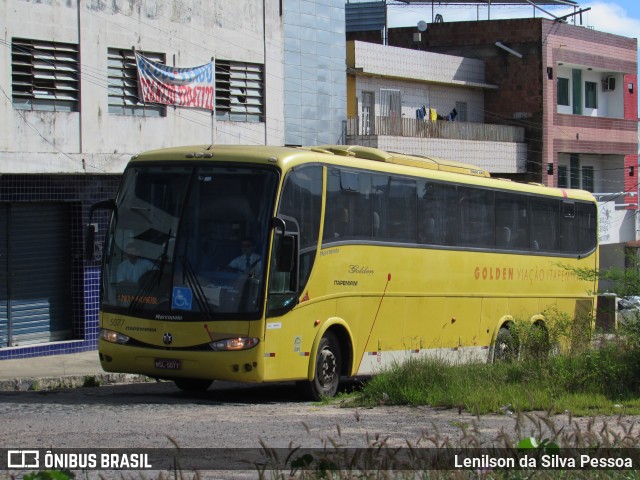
(190, 277)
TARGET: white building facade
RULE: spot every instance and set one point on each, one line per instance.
(70, 119)
(393, 93)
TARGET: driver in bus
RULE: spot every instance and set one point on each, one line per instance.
(132, 267)
(249, 262)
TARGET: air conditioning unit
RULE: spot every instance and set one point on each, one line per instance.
(608, 83)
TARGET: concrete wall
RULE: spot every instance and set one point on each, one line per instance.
(417, 65)
(496, 157)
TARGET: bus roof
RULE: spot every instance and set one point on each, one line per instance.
(419, 161)
(279, 155)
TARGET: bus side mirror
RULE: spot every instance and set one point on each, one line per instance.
(285, 259)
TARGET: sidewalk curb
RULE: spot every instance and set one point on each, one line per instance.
(70, 381)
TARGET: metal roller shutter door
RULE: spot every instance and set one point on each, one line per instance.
(4, 283)
(38, 298)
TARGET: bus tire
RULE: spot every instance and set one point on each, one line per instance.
(192, 385)
(505, 348)
(328, 367)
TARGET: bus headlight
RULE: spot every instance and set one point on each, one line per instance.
(241, 343)
(113, 337)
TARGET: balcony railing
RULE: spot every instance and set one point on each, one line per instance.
(413, 127)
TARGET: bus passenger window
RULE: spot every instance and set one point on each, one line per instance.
(442, 201)
(511, 221)
(402, 210)
(376, 224)
(349, 206)
(544, 223)
(503, 237)
(477, 217)
(341, 223)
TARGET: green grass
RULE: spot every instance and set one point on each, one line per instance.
(599, 381)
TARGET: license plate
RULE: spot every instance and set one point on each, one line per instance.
(167, 364)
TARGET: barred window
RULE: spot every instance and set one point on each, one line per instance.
(239, 91)
(563, 91)
(123, 84)
(45, 75)
(590, 95)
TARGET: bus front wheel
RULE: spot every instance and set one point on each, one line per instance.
(192, 385)
(328, 366)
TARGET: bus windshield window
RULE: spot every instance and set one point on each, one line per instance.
(221, 252)
(143, 235)
(189, 240)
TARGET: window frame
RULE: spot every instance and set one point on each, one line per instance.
(45, 75)
(123, 87)
(563, 176)
(590, 95)
(441, 222)
(562, 93)
(240, 92)
(588, 178)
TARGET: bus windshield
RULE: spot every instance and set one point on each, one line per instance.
(189, 240)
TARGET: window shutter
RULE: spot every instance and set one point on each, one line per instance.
(45, 75)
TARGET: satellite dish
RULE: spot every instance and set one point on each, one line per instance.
(422, 26)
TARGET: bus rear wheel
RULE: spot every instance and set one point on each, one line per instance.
(328, 367)
(192, 385)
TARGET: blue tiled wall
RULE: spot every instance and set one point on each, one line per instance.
(81, 191)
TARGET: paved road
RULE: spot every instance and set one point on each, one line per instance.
(158, 415)
(227, 415)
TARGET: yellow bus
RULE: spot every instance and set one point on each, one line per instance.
(261, 264)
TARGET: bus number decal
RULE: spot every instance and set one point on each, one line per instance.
(274, 325)
(116, 322)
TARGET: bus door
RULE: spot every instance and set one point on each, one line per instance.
(289, 330)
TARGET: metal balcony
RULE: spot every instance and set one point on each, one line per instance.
(413, 127)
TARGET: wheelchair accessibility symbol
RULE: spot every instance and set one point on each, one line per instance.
(182, 298)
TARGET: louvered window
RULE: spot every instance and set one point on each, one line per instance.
(45, 75)
(123, 85)
(239, 91)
